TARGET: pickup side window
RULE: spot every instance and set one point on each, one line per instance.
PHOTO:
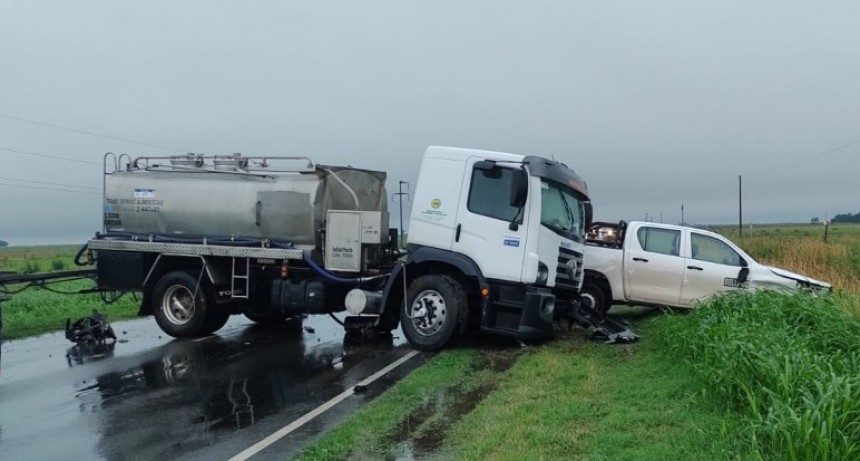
(489, 194)
(664, 241)
(705, 248)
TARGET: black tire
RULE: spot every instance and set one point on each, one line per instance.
(593, 296)
(177, 310)
(215, 319)
(444, 306)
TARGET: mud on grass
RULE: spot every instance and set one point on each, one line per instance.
(412, 421)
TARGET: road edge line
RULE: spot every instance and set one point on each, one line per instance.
(307, 417)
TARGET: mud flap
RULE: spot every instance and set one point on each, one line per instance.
(601, 327)
(362, 329)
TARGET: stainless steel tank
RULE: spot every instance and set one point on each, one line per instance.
(235, 196)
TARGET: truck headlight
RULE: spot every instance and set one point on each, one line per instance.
(542, 275)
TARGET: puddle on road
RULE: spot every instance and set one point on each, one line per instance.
(420, 436)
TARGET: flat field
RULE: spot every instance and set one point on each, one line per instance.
(802, 248)
(39, 310)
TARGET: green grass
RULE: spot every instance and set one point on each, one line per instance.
(577, 399)
(569, 399)
(37, 310)
(789, 364)
(369, 433)
(38, 258)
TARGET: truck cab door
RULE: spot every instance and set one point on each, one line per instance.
(483, 228)
(713, 266)
(653, 266)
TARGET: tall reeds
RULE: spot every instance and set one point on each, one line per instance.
(790, 363)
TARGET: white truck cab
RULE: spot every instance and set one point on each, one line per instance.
(495, 240)
(646, 263)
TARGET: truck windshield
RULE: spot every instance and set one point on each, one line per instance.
(562, 210)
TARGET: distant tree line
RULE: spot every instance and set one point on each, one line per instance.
(847, 217)
(3, 244)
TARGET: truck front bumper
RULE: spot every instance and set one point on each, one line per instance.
(522, 311)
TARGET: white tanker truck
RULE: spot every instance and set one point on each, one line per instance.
(496, 243)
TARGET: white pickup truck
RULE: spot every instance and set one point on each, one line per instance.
(644, 263)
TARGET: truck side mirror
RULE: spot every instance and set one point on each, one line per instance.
(485, 165)
(743, 275)
(489, 169)
(519, 188)
(589, 214)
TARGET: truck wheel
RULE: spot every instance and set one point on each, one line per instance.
(217, 318)
(593, 296)
(177, 310)
(435, 311)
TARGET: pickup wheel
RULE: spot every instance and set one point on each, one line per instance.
(436, 311)
(182, 308)
(594, 297)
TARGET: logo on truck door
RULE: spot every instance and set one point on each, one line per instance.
(434, 214)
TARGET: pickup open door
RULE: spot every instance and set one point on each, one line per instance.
(713, 266)
(654, 268)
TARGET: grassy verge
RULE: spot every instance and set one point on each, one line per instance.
(36, 310)
(409, 410)
(30, 260)
(570, 399)
(789, 364)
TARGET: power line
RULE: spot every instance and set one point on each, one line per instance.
(50, 183)
(48, 156)
(821, 154)
(49, 188)
(89, 133)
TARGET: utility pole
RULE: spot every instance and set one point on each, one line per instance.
(740, 207)
(682, 214)
(400, 196)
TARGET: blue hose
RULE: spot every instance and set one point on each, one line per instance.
(328, 275)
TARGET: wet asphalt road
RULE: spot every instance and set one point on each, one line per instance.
(152, 397)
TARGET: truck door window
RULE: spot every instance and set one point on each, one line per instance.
(490, 192)
(713, 250)
(665, 241)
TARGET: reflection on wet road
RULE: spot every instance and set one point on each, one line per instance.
(152, 397)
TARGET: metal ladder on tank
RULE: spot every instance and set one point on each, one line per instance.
(236, 277)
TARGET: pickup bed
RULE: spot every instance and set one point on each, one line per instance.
(651, 264)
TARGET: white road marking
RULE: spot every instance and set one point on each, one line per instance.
(286, 430)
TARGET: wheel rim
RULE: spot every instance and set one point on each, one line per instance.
(178, 305)
(428, 312)
(588, 299)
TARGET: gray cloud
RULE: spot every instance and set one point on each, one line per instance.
(655, 104)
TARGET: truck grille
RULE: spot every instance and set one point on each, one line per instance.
(569, 271)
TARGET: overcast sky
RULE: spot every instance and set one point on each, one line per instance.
(654, 103)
